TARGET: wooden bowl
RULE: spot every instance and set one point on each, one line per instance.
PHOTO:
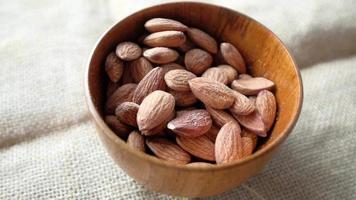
(265, 56)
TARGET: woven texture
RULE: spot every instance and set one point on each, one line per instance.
(50, 150)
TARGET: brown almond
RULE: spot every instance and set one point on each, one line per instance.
(127, 113)
(248, 141)
(178, 79)
(242, 105)
(154, 110)
(165, 39)
(200, 147)
(114, 67)
(197, 61)
(184, 99)
(244, 76)
(252, 86)
(121, 94)
(136, 141)
(167, 150)
(186, 46)
(216, 74)
(120, 129)
(220, 117)
(252, 122)
(171, 66)
(126, 76)
(228, 147)
(233, 57)
(212, 133)
(229, 71)
(212, 93)
(203, 40)
(191, 123)
(154, 80)
(161, 55)
(266, 107)
(163, 24)
(111, 88)
(128, 51)
(139, 68)
(159, 129)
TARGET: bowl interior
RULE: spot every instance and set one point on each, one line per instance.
(263, 52)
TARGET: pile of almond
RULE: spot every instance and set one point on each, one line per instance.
(183, 98)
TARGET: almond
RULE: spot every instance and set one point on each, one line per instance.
(154, 110)
(191, 123)
(165, 39)
(163, 24)
(139, 68)
(118, 128)
(248, 141)
(154, 80)
(244, 76)
(203, 40)
(212, 133)
(184, 98)
(171, 66)
(229, 71)
(128, 51)
(178, 79)
(114, 67)
(186, 46)
(220, 117)
(233, 57)
(161, 55)
(212, 93)
(159, 129)
(197, 61)
(266, 107)
(200, 147)
(252, 122)
(111, 88)
(228, 147)
(216, 74)
(136, 141)
(121, 94)
(167, 150)
(252, 86)
(127, 112)
(126, 76)
(242, 105)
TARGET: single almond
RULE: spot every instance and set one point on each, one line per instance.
(228, 147)
(203, 40)
(154, 80)
(178, 79)
(128, 51)
(252, 86)
(159, 129)
(242, 105)
(127, 113)
(126, 76)
(136, 141)
(111, 88)
(266, 107)
(229, 71)
(212, 93)
(139, 68)
(212, 133)
(244, 76)
(233, 57)
(220, 117)
(184, 99)
(163, 24)
(161, 55)
(216, 74)
(252, 122)
(154, 110)
(171, 66)
(197, 61)
(121, 94)
(186, 46)
(191, 123)
(114, 67)
(200, 164)
(248, 141)
(120, 129)
(165, 39)
(200, 147)
(167, 150)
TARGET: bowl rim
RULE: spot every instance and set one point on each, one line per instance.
(149, 158)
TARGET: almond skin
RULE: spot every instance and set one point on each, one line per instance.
(242, 105)
(114, 67)
(203, 40)
(232, 56)
(252, 86)
(216, 74)
(229, 71)
(121, 94)
(126, 76)
(171, 66)
(167, 150)
(154, 80)
(163, 24)
(200, 147)
(212, 93)
(127, 113)
(128, 51)
(159, 129)
(184, 99)
(165, 39)
(120, 129)
(136, 141)
(266, 107)
(178, 79)
(161, 55)
(252, 122)
(220, 117)
(139, 68)
(228, 147)
(212, 133)
(191, 123)
(154, 110)
(197, 61)
(248, 141)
